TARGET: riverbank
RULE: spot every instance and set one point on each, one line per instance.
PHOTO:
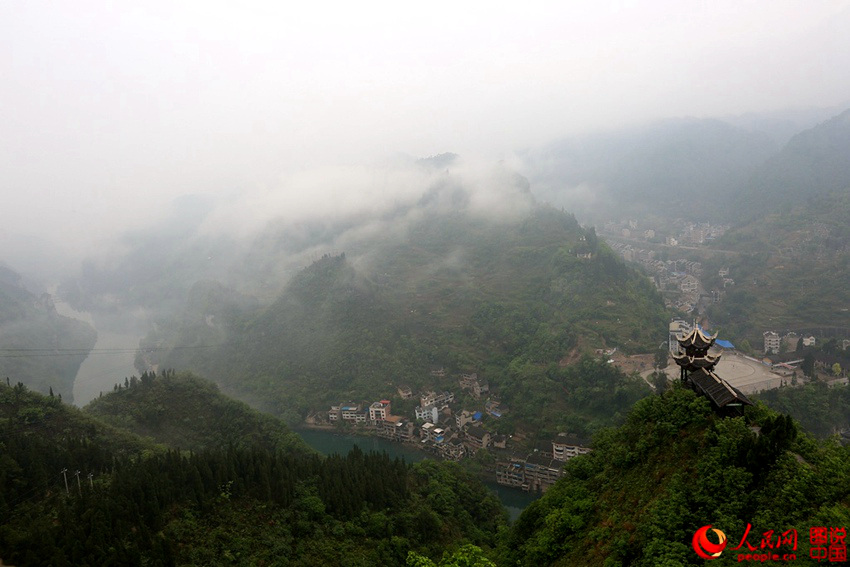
(329, 440)
(111, 359)
(365, 434)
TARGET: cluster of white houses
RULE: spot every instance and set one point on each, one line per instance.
(774, 342)
(454, 435)
(450, 435)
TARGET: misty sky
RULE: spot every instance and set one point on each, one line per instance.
(110, 109)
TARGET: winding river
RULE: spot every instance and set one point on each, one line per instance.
(110, 361)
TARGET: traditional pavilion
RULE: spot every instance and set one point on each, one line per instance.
(697, 371)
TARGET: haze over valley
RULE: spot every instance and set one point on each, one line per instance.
(514, 241)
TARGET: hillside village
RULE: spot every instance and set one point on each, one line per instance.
(444, 427)
(679, 281)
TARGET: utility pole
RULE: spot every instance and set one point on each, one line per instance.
(79, 488)
(91, 482)
(64, 471)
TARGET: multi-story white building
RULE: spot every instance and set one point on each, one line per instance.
(435, 399)
(689, 284)
(772, 340)
(562, 451)
(677, 328)
(477, 438)
(348, 412)
(333, 413)
(353, 413)
(464, 417)
(428, 413)
(379, 411)
(427, 431)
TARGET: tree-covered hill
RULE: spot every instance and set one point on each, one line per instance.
(814, 162)
(788, 254)
(792, 270)
(821, 410)
(688, 168)
(674, 467)
(38, 346)
(27, 414)
(186, 412)
(507, 299)
(242, 504)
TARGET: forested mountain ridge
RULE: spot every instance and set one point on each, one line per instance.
(509, 299)
(815, 162)
(791, 255)
(689, 168)
(185, 412)
(674, 467)
(135, 504)
(38, 346)
(50, 420)
(728, 169)
(791, 269)
(637, 499)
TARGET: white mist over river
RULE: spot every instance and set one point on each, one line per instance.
(110, 361)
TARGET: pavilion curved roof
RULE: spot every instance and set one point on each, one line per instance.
(697, 338)
(694, 362)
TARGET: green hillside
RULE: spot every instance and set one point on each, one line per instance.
(814, 162)
(244, 504)
(821, 410)
(38, 346)
(508, 300)
(790, 267)
(637, 499)
(674, 467)
(655, 169)
(187, 412)
(792, 270)
(46, 419)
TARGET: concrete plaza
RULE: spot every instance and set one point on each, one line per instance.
(745, 374)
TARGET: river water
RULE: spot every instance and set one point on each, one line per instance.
(329, 442)
(110, 361)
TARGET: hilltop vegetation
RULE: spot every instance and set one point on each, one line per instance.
(509, 300)
(637, 499)
(792, 270)
(813, 163)
(25, 414)
(243, 504)
(787, 249)
(187, 412)
(660, 168)
(794, 247)
(463, 271)
(673, 467)
(38, 346)
(821, 410)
